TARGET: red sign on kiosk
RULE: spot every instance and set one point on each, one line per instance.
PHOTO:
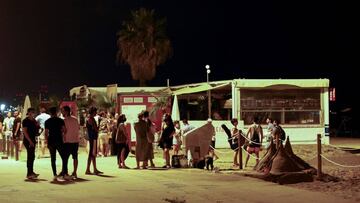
(332, 94)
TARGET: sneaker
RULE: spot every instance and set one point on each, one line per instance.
(31, 177)
(88, 173)
(73, 176)
(35, 174)
(97, 172)
(67, 177)
(59, 179)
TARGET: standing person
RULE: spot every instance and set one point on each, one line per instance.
(177, 138)
(103, 134)
(270, 128)
(278, 131)
(30, 130)
(8, 126)
(235, 134)
(150, 135)
(1, 132)
(71, 139)
(113, 129)
(92, 130)
(54, 130)
(255, 135)
(17, 133)
(121, 141)
(41, 118)
(213, 141)
(186, 128)
(141, 141)
(166, 139)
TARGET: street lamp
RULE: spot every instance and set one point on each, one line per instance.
(208, 92)
(2, 107)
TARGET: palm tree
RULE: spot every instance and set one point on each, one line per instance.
(143, 44)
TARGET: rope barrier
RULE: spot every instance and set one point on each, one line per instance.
(251, 154)
(221, 151)
(344, 148)
(333, 162)
(251, 141)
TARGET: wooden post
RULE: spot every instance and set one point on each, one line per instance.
(8, 147)
(241, 142)
(17, 145)
(319, 172)
(12, 149)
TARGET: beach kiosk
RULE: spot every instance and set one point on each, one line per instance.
(301, 105)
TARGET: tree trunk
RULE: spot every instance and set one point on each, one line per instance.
(142, 83)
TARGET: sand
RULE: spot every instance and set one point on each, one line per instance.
(182, 185)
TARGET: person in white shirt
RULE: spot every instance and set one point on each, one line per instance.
(8, 125)
(41, 118)
(71, 138)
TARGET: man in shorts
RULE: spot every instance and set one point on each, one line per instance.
(41, 118)
(17, 135)
(71, 138)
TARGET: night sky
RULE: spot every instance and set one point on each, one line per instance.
(70, 43)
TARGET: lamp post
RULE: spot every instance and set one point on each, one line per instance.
(208, 92)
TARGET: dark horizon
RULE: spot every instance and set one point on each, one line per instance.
(68, 44)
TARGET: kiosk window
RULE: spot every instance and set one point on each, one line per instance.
(290, 106)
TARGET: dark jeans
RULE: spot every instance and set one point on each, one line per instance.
(30, 158)
(60, 148)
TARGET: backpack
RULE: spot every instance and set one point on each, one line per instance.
(255, 138)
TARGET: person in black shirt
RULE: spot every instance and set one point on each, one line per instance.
(166, 140)
(54, 130)
(30, 130)
(17, 133)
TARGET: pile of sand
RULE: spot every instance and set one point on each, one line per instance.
(281, 165)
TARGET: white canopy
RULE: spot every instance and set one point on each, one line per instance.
(263, 83)
(175, 112)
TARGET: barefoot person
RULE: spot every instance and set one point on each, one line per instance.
(166, 140)
(255, 134)
(71, 139)
(235, 133)
(93, 130)
(30, 130)
(54, 130)
(121, 141)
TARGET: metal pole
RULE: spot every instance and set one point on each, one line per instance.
(209, 103)
(319, 172)
(209, 96)
(16, 143)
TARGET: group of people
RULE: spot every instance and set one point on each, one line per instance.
(254, 137)
(170, 138)
(60, 135)
(10, 129)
